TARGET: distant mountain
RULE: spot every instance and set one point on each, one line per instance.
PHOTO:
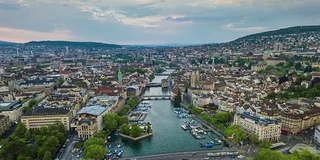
(74, 44)
(7, 43)
(284, 31)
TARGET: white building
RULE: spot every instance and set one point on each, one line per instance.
(264, 128)
(13, 109)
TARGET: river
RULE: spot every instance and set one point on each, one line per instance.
(168, 135)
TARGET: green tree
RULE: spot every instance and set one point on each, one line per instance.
(254, 139)
(101, 134)
(47, 156)
(93, 141)
(298, 66)
(238, 133)
(265, 144)
(95, 151)
(135, 131)
(125, 129)
(123, 120)
(20, 130)
(267, 154)
(177, 99)
(110, 121)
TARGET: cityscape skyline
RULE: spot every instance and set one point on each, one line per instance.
(149, 21)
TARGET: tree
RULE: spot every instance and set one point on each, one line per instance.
(20, 130)
(93, 141)
(110, 121)
(123, 120)
(135, 131)
(47, 156)
(177, 99)
(298, 66)
(149, 129)
(254, 139)
(267, 154)
(265, 144)
(238, 133)
(95, 151)
(125, 129)
(101, 134)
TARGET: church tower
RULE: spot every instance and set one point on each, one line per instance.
(193, 78)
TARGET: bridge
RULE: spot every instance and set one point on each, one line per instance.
(153, 85)
(162, 74)
(156, 97)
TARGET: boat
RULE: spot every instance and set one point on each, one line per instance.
(184, 127)
(119, 154)
(201, 144)
(208, 145)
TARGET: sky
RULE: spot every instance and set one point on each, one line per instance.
(150, 21)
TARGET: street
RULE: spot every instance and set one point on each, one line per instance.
(67, 150)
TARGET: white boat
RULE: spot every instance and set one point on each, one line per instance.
(184, 127)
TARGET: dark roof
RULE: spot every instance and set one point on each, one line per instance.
(46, 111)
(2, 116)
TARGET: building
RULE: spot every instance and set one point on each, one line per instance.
(272, 61)
(264, 128)
(278, 47)
(295, 120)
(4, 124)
(164, 83)
(13, 109)
(132, 91)
(87, 128)
(317, 134)
(93, 112)
(41, 116)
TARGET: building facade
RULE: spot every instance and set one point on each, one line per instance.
(46, 116)
(13, 109)
(264, 128)
(4, 124)
(87, 128)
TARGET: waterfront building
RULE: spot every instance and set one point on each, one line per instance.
(132, 91)
(4, 124)
(41, 116)
(13, 109)
(264, 128)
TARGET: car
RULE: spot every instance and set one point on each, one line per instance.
(241, 157)
(207, 158)
(193, 153)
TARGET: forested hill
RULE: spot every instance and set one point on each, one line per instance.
(284, 31)
(73, 44)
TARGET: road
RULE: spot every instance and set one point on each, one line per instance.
(179, 156)
(67, 151)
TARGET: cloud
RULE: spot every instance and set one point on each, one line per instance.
(154, 21)
(18, 35)
(232, 27)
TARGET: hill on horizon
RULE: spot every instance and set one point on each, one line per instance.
(74, 44)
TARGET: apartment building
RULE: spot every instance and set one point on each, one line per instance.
(297, 120)
(264, 128)
(4, 124)
(13, 109)
(41, 116)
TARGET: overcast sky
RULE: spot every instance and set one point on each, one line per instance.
(150, 21)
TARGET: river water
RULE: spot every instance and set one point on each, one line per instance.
(168, 135)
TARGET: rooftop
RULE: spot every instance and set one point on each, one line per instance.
(258, 120)
(47, 111)
(92, 110)
(10, 105)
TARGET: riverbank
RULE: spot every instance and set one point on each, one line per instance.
(137, 138)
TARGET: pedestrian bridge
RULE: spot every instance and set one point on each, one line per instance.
(156, 97)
